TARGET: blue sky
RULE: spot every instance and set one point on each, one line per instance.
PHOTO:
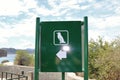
(17, 18)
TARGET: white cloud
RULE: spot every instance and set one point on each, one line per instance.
(101, 7)
(63, 3)
(98, 5)
(69, 17)
(73, 4)
(52, 3)
(24, 29)
(23, 32)
(117, 10)
(107, 27)
(102, 23)
(29, 4)
(54, 12)
(57, 8)
(60, 8)
(14, 7)
(3, 40)
(43, 11)
(91, 0)
(93, 34)
(24, 44)
(10, 7)
(84, 7)
(4, 32)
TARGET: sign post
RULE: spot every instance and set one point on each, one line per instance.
(59, 48)
(37, 47)
(63, 75)
(85, 48)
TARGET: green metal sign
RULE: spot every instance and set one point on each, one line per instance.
(61, 46)
(61, 49)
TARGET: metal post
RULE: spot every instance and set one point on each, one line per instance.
(11, 76)
(85, 48)
(63, 75)
(18, 77)
(36, 76)
(6, 75)
(26, 77)
(2, 76)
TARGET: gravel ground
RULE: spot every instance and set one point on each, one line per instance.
(58, 76)
(42, 75)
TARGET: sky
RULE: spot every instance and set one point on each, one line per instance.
(17, 18)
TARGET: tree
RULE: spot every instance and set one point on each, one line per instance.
(3, 53)
(24, 58)
(104, 59)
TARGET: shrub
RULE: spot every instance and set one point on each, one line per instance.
(4, 61)
(104, 59)
(24, 58)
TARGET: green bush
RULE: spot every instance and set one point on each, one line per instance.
(24, 58)
(104, 59)
(4, 61)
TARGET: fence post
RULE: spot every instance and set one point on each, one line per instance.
(26, 77)
(2, 76)
(11, 76)
(6, 75)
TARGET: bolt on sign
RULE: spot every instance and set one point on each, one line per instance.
(60, 46)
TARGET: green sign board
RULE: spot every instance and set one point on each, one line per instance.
(61, 47)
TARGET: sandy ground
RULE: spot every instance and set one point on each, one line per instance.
(73, 76)
(8, 63)
(69, 76)
(3, 79)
